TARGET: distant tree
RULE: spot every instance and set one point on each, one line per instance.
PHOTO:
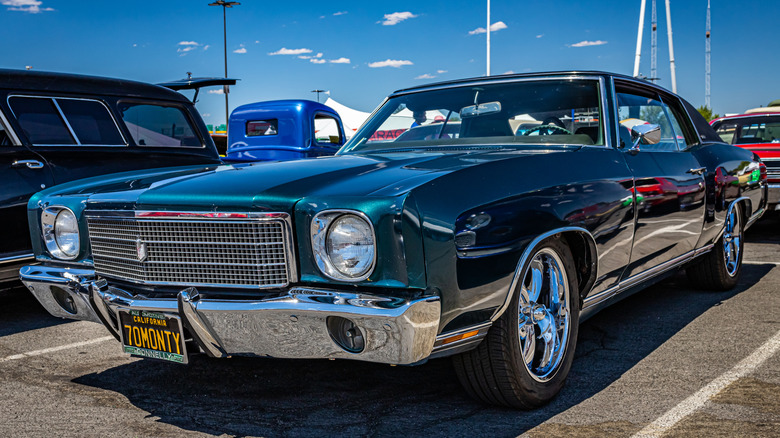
(706, 112)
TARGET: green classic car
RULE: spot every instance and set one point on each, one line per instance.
(516, 207)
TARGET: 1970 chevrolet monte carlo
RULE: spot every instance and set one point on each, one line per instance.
(557, 194)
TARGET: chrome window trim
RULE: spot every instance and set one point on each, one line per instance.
(147, 215)
(589, 77)
(11, 133)
(525, 256)
(67, 123)
(339, 213)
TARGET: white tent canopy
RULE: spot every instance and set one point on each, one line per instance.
(351, 118)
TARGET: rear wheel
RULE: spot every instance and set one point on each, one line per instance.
(720, 268)
(526, 356)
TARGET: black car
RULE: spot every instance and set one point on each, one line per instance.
(58, 127)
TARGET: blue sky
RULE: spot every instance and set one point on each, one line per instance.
(382, 46)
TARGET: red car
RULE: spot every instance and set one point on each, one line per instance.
(760, 133)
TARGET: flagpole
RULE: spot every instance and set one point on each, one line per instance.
(488, 37)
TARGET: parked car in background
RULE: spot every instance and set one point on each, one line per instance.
(55, 128)
(283, 130)
(489, 246)
(760, 133)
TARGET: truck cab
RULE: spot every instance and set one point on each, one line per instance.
(282, 130)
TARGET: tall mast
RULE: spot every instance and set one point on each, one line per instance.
(488, 38)
(671, 46)
(707, 66)
(639, 38)
(654, 47)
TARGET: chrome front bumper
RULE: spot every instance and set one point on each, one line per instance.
(294, 325)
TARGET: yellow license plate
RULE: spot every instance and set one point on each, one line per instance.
(152, 334)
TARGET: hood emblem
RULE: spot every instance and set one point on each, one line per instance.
(140, 250)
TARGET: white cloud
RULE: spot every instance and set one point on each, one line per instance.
(425, 76)
(441, 72)
(241, 50)
(341, 60)
(318, 55)
(285, 51)
(509, 72)
(188, 43)
(498, 25)
(390, 63)
(206, 47)
(206, 115)
(30, 6)
(396, 17)
(217, 91)
(135, 45)
(318, 61)
(588, 43)
(540, 35)
(257, 41)
(336, 14)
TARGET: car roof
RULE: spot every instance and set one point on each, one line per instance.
(747, 116)
(499, 78)
(40, 81)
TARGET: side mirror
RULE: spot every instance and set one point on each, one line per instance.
(645, 134)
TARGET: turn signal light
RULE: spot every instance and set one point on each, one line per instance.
(459, 337)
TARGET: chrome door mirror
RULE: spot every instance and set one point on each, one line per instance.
(645, 134)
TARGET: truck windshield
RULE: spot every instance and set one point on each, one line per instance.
(561, 111)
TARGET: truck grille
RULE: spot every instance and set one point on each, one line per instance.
(193, 249)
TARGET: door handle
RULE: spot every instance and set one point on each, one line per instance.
(32, 164)
(698, 171)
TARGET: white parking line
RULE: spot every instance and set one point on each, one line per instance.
(750, 262)
(53, 349)
(697, 400)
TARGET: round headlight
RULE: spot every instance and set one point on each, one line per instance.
(350, 246)
(344, 244)
(61, 232)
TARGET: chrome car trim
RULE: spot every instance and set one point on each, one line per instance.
(176, 216)
(292, 325)
(18, 258)
(525, 257)
(325, 260)
(11, 133)
(67, 122)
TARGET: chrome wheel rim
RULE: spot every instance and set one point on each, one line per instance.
(732, 242)
(544, 316)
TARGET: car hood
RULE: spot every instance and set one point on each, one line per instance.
(279, 185)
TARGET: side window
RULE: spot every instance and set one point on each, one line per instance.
(257, 128)
(91, 122)
(726, 132)
(157, 125)
(40, 121)
(326, 130)
(684, 131)
(635, 109)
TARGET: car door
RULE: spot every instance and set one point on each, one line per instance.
(669, 185)
(22, 173)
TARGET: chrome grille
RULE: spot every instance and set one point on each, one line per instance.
(192, 251)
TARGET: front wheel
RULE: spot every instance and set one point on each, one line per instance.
(720, 268)
(525, 358)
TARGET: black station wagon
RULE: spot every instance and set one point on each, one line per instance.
(58, 127)
(530, 202)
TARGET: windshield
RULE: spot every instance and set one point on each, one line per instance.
(530, 112)
(750, 130)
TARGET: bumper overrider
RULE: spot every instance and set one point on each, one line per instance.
(302, 324)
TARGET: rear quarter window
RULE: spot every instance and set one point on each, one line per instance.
(158, 125)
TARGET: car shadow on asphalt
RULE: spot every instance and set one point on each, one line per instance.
(274, 397)
(21, 312)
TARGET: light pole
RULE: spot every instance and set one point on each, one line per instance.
(225, 5)
(318, 94)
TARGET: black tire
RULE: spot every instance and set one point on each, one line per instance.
(496, 372)
(714, 272)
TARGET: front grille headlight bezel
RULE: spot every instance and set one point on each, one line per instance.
(65, 244)
(321, 226)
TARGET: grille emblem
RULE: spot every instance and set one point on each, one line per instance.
(140, 250)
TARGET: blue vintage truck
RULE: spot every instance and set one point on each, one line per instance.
(282, 130)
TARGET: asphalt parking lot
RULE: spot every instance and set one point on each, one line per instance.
(670, 361)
